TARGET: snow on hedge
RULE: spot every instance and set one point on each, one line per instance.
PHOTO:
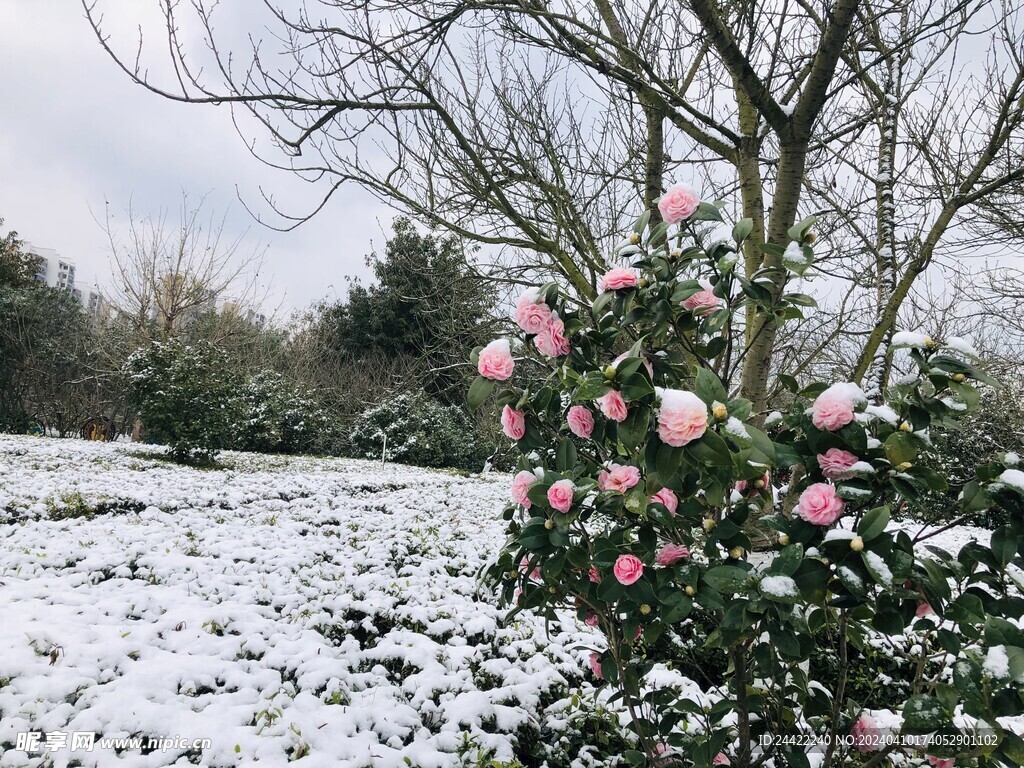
(286, 607)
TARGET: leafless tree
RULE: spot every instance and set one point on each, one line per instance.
(532, 127)
(166, 276)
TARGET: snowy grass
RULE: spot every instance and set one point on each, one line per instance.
(283, 608)
(286, 609)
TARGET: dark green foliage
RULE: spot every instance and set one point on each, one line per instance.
(997, 426)
(427, 307)
(275, 416)
(186, 397)
(419, 431)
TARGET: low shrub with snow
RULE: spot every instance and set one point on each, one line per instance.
(415, 429)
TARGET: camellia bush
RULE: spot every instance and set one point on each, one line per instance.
(645, 497)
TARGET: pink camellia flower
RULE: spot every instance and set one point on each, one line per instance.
(621, 478)
(613, 406)
(680, 202)
(721, 759)
(628, 569)
(667, 498)
(551, 341)
(671, 554)
(532, 315)
(595, 666)
(702, 302)
(834, 408)
(617, 279)
(496, 361)
(560, 495)
(835, 463)
(591, 620)
(682, 417)
(581, 421)
(524, 567)
(520, 487)
(864, 735)
(759, 485)
(941, 762)
(819, 504)
(593, 575)
(923, 609)
(513, 422)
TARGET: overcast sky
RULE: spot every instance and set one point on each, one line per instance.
(77, 133)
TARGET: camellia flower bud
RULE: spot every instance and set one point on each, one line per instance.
(549, 524)
(690, 591)
(856, 543)
(709, 524)
(634, 238)
(736, 553)
(645, 609)
(904, 466)
(783, 539)
(552, 590)
(929, 342)
(642, 282)
(810, 238)
(719, 411)
(609, 372)
(959, 377)
(905, 427)
(676, 253)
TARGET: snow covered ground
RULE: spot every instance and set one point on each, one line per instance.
(287, 607)
(284, 608)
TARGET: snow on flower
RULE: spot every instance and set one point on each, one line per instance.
(682, 417)
(865, 735)
(496, 361)
(819, 504)
(835, 407)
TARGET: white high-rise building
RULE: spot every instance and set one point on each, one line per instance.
(53, 269)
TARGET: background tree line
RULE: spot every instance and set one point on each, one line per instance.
(186, 349)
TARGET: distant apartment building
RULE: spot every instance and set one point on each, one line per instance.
(52, 268)
(58, 272)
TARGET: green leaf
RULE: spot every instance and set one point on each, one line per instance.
(709, 387)
(565, 456)
(707, 212)
(799, 230)
(924, 714)
(873, 523)
(478, 392)
(741, 231)
(1004, 545)
(726, 578)
(592, 386)
(900, 448)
